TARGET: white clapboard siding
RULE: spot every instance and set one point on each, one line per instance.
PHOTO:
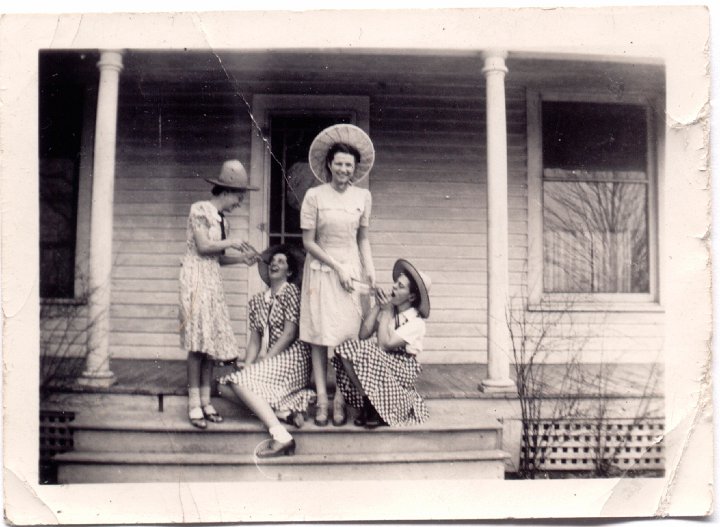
(429, 198)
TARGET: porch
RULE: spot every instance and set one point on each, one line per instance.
(136, 430)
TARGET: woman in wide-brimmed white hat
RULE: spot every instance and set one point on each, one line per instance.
(205, 330)
(276, 385)
(335, 218)
(377, 371)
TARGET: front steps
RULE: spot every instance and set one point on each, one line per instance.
(126, 444)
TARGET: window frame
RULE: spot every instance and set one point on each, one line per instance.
(538, 298)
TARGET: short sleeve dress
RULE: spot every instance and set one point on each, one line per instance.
(330, 315)
(281, 380)
(204, 316)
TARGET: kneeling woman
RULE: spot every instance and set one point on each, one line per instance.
(377, 373)
(276, 384)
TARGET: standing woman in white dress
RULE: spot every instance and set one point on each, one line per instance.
(334, 219)
(205, 330)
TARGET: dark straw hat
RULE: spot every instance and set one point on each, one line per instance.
(295, 252)
(422, 281)
(232, 175)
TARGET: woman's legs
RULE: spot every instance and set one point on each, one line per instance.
(319, 365)
(368, 415)
(283, 443)
(194, 366)
(206, 371)
(350, 370)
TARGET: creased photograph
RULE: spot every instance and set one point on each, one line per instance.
(286, 266)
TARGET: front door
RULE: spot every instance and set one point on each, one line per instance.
(290, 174)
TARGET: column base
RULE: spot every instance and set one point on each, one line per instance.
(497, 386)
(97, 379)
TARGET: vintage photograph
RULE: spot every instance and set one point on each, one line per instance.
(327, 264)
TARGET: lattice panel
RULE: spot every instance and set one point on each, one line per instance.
(55, 435)
(573, 445)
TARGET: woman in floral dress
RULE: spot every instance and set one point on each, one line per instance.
(274, 382)
(205, 330)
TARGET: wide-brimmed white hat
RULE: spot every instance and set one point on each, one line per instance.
(341, 133)
(232, 175)
(422, 281)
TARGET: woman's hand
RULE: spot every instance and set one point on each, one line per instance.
(382, 298)
(241, 246)
(251, 258)
(345, 278)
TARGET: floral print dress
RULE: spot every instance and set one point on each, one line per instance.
(204, 316)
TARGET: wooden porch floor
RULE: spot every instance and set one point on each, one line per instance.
(437, 381)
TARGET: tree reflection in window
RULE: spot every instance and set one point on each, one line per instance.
(595, 194)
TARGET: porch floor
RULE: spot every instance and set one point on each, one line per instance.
(437, 381)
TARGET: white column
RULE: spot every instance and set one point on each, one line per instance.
(97, 367)
(498, 333)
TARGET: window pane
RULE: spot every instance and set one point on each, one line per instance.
(594, 136)
(595, 237)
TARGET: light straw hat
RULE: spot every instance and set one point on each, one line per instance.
(422, 281)
(232, 175)
(341, 133)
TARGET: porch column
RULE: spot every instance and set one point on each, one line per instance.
(498, 333)
(97, 366)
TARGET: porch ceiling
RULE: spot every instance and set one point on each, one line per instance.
(392, 66)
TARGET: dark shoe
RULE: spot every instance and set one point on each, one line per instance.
(197, 422)
(296, 419)
(361, 418)
(276, 449)
(373, 419)
(321, 414)
(211, 414)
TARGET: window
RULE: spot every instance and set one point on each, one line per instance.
(60, 128)
(592, 171)
(66, 104)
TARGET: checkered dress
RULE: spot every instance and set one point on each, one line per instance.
(388, 378)
(281, 380)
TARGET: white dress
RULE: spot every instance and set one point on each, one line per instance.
(330, 315)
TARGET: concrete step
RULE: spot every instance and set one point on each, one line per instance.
(121, 467)
(448, 429)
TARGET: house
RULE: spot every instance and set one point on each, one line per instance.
(528, 182)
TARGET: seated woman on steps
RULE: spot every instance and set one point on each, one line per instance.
(377, 372)
(275, 386)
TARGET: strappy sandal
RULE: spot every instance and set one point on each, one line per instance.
(211, 414)
(197, 418)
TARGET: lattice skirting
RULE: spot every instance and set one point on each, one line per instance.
(579, 445)
(55, 437)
